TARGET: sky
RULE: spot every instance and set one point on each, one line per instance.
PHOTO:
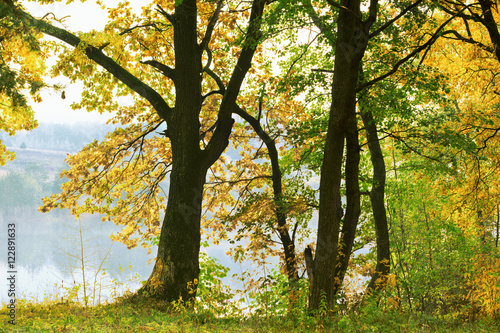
(54, 109)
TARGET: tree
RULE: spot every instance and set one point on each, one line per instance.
(135, 54)
(355, 29)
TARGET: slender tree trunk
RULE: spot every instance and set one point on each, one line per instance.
(280, 212)
(329, 218)
(377, 194)
(350, 222)
(281, 215)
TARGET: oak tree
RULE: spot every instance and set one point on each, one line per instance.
(174, 57)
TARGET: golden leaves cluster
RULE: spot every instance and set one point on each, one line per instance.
(122, 179)
(22, 69)
(471, 72)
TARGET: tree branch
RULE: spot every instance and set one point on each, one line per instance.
(473, 16)
(395, 18)
(318, 22)
(372, 16)
(96, 55)
(417, 50)
(220, 84)
(467, 40)
(339, 6)
(491, 25)
(126, 31)
(164, 69)
(168, 16)
(220, 138)
(280, 211)
(210, 27)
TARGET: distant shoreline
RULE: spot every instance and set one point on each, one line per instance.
(41, 150)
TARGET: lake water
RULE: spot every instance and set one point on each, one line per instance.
(48, 256)
(48, 259)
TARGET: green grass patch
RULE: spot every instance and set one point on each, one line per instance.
(145, 315)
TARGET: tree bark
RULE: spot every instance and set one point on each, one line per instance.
(175, 274)
(177, 268)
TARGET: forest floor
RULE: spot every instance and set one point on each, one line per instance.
(152, 317)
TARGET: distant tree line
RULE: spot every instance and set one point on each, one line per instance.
(25, 188)
(54, 136)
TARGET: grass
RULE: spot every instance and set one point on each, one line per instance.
(134, 315)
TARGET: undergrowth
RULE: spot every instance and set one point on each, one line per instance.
(274, 307)
(132, 314)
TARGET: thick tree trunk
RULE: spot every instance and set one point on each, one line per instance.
(177, 260)
(175, 274)
(377, 194)
(176, 270)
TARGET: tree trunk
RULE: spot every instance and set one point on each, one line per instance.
(177, 263)
(176, 270)
(281, 215)
(353, 209)
(175, 274)
(377, 194)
